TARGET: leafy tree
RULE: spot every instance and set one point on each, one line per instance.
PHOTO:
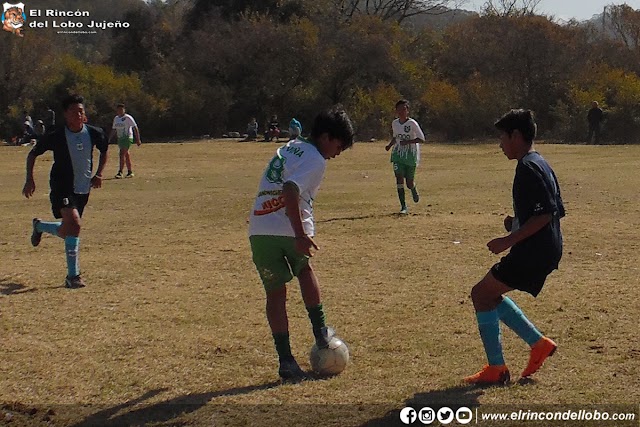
(102, 89)
(530, 55)
(151, 38)
(624, 22)
(26, 62)
(234, 10)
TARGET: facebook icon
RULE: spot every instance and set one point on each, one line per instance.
(408, 415)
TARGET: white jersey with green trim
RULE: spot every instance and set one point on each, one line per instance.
(407, 154)
(298, 162)
(124, 126)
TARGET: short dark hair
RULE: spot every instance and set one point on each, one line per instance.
(336, 123)
(402, 102)
(520, 120)
(120, 105)
(70, 100)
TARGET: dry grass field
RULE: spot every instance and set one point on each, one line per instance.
(171, 330)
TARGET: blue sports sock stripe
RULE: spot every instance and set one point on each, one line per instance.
(489, 326)
(48, 227)
(515, 319)
(71, 247)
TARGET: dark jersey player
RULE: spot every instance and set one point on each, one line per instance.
(535, 240)
(71, 180)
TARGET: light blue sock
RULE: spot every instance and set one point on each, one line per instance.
(71, 247)
(48, 227)
(489, 325)
(515, 319)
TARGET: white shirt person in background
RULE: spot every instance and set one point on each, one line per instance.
(126, 131)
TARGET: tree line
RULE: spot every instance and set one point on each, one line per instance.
(194, 67)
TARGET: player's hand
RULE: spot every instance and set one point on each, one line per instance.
(508, 223)
(96, 181)
(29, 188)
(387, 147)
(304, 245)
(138, 143)
(498, 245)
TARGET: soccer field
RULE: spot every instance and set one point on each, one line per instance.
(171, 328)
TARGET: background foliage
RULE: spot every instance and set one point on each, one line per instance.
(194, 67)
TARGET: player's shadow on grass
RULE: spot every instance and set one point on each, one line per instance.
(453, 397)
(162, 412)
(8, 287)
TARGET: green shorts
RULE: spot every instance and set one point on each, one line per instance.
(276, 260)
(404, 170)
(125, 142)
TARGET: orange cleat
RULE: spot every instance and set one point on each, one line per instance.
(539, 352)
(490, 374)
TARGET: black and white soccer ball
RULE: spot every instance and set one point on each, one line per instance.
(331, 360)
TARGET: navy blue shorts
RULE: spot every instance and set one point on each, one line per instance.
(523, 273)
(73, 200)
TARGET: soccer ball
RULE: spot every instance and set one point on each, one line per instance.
(331, 360)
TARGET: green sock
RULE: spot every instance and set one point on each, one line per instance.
(403, 203)
(317, 317)
(283, 346)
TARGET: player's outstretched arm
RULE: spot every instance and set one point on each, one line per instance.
(29, 185)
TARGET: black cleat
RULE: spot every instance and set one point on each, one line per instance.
(36, 236)
(324, 337)
(74, 282)
(290, 371)
(415, 195)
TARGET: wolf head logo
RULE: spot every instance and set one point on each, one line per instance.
(13, 18)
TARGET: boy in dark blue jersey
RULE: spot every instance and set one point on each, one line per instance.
(71, 180)
(535, 240)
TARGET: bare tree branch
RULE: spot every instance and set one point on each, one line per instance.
(624, 22)
(510, 7)
(397, 10)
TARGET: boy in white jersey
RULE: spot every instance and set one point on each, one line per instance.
(405, 156)
(125, 129)
(281, 228)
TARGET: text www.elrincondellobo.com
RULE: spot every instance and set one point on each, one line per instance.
(567, 415)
